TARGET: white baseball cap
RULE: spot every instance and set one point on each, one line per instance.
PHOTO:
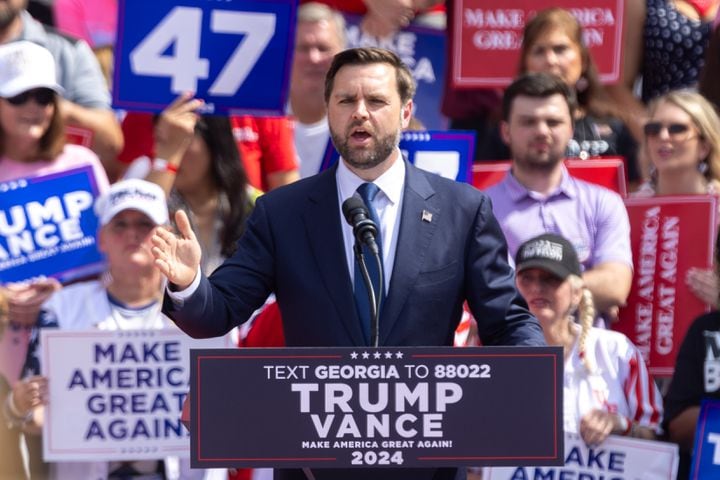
(25, 66)
(133, 194)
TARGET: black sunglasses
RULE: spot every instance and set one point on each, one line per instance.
(42, 96)
(653, 129)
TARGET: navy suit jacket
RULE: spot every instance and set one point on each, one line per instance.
(293, 246)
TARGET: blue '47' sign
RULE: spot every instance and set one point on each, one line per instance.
(233, 54)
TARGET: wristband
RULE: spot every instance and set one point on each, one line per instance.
(15, 418)
(162, 165)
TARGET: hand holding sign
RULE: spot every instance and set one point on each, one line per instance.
(29, 394)
(385, 17)
(175, 128)
(596, 425)
(704, 284)
(178, 258)
(25, 298)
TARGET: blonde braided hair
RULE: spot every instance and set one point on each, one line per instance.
(586, 317)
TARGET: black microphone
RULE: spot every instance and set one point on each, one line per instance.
(357, 215)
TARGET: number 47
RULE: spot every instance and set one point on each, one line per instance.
(182, 26)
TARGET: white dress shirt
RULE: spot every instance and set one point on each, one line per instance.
(387, 203)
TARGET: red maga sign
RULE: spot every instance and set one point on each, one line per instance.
(669, 235)
(607, 172)
(487, 35)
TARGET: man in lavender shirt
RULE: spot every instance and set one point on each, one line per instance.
(538, 195)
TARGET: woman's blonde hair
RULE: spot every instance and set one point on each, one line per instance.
(585, 317)
(704, 118)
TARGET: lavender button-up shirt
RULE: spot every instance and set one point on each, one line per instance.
(591, 217)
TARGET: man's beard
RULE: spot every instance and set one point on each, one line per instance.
(530, 163)
(366, 159)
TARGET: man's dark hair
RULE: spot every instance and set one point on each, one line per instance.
(538, 85)
(367, 56)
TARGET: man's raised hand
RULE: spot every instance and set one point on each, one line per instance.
(177, 257)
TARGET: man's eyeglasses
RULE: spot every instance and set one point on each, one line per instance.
(42, 96)
(676, 131)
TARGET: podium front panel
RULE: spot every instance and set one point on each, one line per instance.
(376, 407)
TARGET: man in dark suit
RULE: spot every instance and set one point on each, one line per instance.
(441, 244)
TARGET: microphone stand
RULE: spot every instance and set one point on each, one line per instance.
(373, 298)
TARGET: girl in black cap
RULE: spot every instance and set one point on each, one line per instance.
(607, 388)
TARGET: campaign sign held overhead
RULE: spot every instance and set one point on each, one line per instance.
(235, 55)
(48, 226)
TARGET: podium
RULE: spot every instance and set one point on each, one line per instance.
(386, 407)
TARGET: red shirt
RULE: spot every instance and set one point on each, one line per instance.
(265, 143)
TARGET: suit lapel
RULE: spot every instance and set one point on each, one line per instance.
(328, 249)
(413, 241)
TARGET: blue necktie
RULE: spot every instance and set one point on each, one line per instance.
(368, 191)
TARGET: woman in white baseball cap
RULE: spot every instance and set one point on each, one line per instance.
(128, 298)
(32, 143)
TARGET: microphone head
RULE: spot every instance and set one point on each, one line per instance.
(353, 206)
(358, 216)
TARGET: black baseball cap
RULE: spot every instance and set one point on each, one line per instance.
(549, 252)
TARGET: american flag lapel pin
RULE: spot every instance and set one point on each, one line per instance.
(426, 216)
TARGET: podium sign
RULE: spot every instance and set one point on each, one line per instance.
(376, 407)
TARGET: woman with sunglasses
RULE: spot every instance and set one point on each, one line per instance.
(32, 143)
(606, 386)
(682, 145)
